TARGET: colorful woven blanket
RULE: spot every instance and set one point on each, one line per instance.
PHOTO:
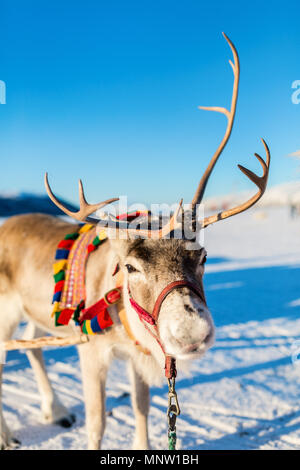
(69, 277)
(69, 273)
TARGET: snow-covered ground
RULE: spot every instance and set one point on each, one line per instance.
(244, 394)
(283, 194)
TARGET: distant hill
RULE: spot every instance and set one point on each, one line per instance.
(25, 203)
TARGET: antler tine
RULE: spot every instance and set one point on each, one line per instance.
(85, 209)
(90, 208)
(230, 117)
(260, 181)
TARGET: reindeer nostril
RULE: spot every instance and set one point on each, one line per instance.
(208, 337)
(188, 308)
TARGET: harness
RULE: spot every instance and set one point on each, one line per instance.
(152, 318)
(69, 303)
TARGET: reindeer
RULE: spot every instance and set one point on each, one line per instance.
(152, 261)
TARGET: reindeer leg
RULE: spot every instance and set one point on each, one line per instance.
(10, 316)
(140, 398)
(94, 371)
(53, 411)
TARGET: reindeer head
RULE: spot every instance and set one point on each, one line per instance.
(163, 276)
(159, 276)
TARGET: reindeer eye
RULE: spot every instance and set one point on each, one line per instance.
(130, 268)
(204, 258)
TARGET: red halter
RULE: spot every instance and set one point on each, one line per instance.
(152, 318)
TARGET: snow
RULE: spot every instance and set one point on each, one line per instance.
(283, 194)
(244, 394)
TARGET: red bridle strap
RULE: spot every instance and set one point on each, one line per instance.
(142, 313)
(169, 288)
(151, 318)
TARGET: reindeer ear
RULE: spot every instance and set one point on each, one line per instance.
(116, 270)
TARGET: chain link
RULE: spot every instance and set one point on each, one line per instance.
(172, 413)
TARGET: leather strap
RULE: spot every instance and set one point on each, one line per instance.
(168, 289)
(110, 298)
(152, 318)
(170, 362)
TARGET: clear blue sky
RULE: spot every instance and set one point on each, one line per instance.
(108, 91)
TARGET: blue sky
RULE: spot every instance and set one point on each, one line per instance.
(108, 91)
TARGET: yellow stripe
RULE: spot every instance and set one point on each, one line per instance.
(55, 308)
(102, 235)
(85, 228)
(88, 327)
(59, 265)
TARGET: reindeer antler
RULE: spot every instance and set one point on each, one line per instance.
(261, 182)
(230, 118)
(87, 209)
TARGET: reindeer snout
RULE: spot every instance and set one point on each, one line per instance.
(201, 345)
(202, 336)
(187, 335)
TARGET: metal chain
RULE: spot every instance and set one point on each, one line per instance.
(172, 413)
